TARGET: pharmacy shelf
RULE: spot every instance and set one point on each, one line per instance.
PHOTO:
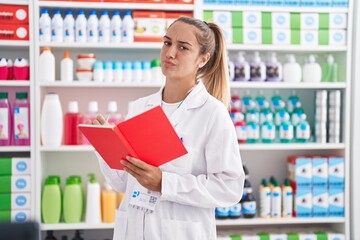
(286, 85)
(14, 83)
(287, 48)
(277, 221)
(75, 226)
(86, 84)
(74, 148)
(15, 149)
(115, 5)
(291, 146)
(15, 2)
(138, 46)
(274, 9)
(14, 43)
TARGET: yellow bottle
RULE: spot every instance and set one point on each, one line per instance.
(108, 204)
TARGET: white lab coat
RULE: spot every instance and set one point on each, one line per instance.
(209, 176)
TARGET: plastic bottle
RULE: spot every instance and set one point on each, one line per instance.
(296, 114)
(136, 71)
(5, 120)
(231, 68)
(253, 130)
(115, 27)
(51, 201)
(248, 202)
(311, 71)
(247, 102)
(330, 70)
(156, 72)
(240, 127)
(280, 114)
(146, 71)
(257, 69)
(128, 28)
(292, 70)
(108, 204)
(72, 119)
(93, 206)
(268, 130)
(265, 114)
(90, 115)
(276, 200)
(292, 101)
(67, 68)
(4, 71)
(274, 69)
(46, 66)
(21, 126)
(104, 27)
(260, 100)
(127, 71)
(98, 71)
(302, 132)
(118, 73)
(50, 235)
(73, 203)
(287, 199)
(20, 70)
(51, 121)
(114, 116)
(242, 68)
(57, 27)
(286, 130)
(69, 27)
(45, 26)
(265, 200)
(81, 27)
(93, 27)
(222, 212)
(235, 211)
(252, 113)
(108, 72)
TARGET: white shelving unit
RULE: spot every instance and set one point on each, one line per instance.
(80, 160)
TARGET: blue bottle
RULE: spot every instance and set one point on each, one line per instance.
(268, 131)
(286, 131)
(302, 131)
(253, 130)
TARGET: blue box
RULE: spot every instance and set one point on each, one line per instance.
(275, 2)
(320, 170)
(259, 2)
(308, 3)
(336, 202)
(300, 171)
(320, 202)
(303, 202)
(336, 172)
(291, 3)
(340, 3)
(323, 3)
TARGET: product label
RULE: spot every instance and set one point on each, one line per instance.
(241, 133)
(286, 132)
(272, 72)
(287, 203)
(21, 123)
(249, 207)
(303, 131)
(268, 132)
(4, 124)
(265, 203)
(235, 211)
(222, 212)
(253, 131)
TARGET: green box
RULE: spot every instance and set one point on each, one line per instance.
(5, 201)
(293, 236)
(5, 184)
(5, 166)
(321, 236)
(295, 21)
(324, 21)
(324, 37)
(295, 37)
(264, 236)
(237, 18)
(5, 216)
(266, 20)
(238, 35)
(266, 35)
(208, 16)
(235, 237)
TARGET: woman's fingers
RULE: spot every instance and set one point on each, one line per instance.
(100, 118)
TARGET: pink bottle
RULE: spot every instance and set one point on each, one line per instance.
(5, 120)
(91, 115)
(72, 135)
(114, 117)
(21, 127)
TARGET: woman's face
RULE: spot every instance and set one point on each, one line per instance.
(179, 55)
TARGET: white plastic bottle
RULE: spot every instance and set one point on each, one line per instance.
(292, 70)
(46, 66)
(45, 26)
(118, 73)
(257, 69)
(287, 199)
(146, 71)
(265, 200)
(128, 28)
(115, 27)
(67, 68)
(108, 71)
(51, 123)
(127, 71)
(137, 72)
(98, 71)
(69, 27)
(81, 27)
(93, 27)
(57, 27)
(104, 27)
(276, 200)
(93, 205)
(312, 71)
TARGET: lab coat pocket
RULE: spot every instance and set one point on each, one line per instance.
(120, 227)
(174, 229)
(181, 165)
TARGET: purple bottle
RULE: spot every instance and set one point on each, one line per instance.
(21, 127)
(5, 120)
(273, 69)
(257, 69)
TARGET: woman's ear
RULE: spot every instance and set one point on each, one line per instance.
(204, 59)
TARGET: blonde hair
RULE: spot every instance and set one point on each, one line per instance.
(214, 74)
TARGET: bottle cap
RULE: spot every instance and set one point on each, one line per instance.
(136, 65)
(241, 57)
(108, 65)
(68, 12)
(73, 180)
(21, 95)
(66, 54)
(275, 183)
(81, 12)
(155, 63)
(21, 62)
(127, 65)
(93, 107)
(145, 65)
(330, 59)
(50, 180)
(257, 58)
(104, 12)
(46, 49)
(93, 12)
(44, 10)
(57, 11)
(291, 58)
(116, 12)
(92, 177)
(117, 65)
(98, 65)
(73, 107)
(264, 182)
(311, 59)
(112, 107)
(286, 182)
(128, 12)
(273, 58)
(9, 62)
(3, 95)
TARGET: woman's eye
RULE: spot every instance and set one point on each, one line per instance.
(167, 43)
(183, 48)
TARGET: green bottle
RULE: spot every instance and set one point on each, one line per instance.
(73, 200)
(51, 200)
(330, 70)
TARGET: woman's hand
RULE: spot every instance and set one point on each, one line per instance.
(100, 120)
(148, 176)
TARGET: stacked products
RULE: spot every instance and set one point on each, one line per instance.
(19, 70)
(14, 22)
(15, 189)
(282, 3)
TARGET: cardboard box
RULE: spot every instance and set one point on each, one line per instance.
(14, 31)
(223, 18)
(337, 37)
(14, 14)
(15, 201)
(309, 21)
(149, 26)
(15, 184)
(300, 171)
(252, 19)
(295, 37)
(15, 216)
(281, 37)
(280, 20)
(309, 37)
(336, 202)
(320, 202)
(320, 172)
(295, 21)
(336, 172)
(303, 202)
(252, 36)
(14, 166)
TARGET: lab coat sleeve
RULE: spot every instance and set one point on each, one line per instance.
(223, 183)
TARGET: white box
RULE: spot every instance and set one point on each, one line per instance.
(335, 236)
(309, 37)
(228, 35)
(337, 20)
(251, 19)
(307, 236)
(280, 20)
(303, 202)
(223, 18)
(309, 21)
(20, 166)
(281, 37)
(252, 36)
(320, 202)
(337, 37)
(17, 216)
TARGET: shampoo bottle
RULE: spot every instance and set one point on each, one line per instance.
(73, 203)
(257, 69)
(67, 68)
(330, 70)
(52, 122)
(292, 101)
(268, 130)
(276, 200)
(311, 71)
(292, 70)
(302, 131)
(242, 68)
(46, 66)
(253, 130)
(287, 199)
(72, 135)
(93, 207)
(265, 200)
(274, 69)
(21, 120)
(286, 130)
(108, 204)
(51, 200)
(240, 127)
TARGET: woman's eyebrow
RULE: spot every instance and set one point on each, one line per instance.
(182, 42)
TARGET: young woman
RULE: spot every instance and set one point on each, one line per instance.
(178, 198)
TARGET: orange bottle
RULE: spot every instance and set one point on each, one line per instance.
(108, 204)
(120, 198)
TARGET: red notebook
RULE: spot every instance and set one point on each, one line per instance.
(149, 137)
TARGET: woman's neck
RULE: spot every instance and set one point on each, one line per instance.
(176, 92)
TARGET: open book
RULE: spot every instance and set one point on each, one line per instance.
(148, 136)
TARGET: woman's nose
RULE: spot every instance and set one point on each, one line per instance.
(171, 52)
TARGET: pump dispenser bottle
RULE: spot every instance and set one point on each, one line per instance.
(292, 70)
(330, 70)
(242, 69)
(311, 70)
(274, 69)
(257, 69)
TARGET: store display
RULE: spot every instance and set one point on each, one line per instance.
(5, 120)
